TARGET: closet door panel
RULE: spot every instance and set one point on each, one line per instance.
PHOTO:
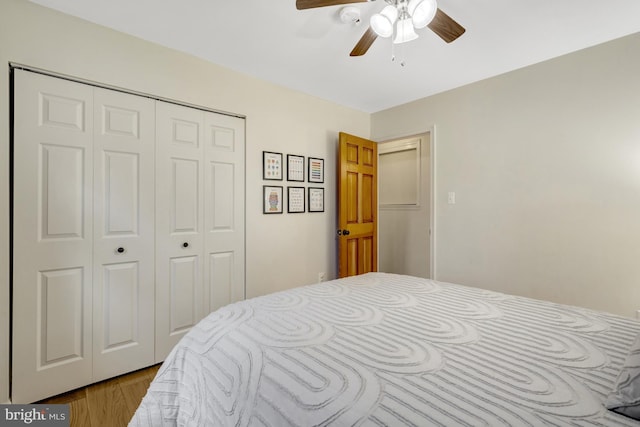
(185, 198)
(61, 203)
(124, 211)
(121, 196)
(221, 196)
(60, 316)
(179, 223)
(121, 318)
(52, 245)
(224, 210)
(184, 279)
(221, 279)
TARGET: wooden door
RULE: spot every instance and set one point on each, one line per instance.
(123, 234)
(357, 205)
(52, 236)
(179, 223)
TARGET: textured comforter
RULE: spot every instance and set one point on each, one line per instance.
(390, 350)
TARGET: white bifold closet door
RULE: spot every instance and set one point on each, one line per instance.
(199, 220)
(128, 228)
(52, 236)
(123, 233)
(83, 222)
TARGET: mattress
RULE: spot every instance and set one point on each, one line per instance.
(391, 350)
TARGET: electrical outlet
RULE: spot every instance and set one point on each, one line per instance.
(322, 277)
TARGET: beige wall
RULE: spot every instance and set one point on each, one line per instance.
(282, 250)
(545, 163)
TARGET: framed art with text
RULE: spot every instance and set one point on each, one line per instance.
(271, 166)
(295, 168)
(316, 199)
(271, 199)
(316, 170)
(295, 199)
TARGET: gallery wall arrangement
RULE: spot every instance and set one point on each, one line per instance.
(299, 199)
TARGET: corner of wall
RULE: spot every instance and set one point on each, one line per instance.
(5, 307)
(4, 239)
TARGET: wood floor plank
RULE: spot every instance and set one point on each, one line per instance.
(107, 407)
(79, 413)
(109, 403)
(133, 394)
(78, 409)
(153, 370)
(133, 388)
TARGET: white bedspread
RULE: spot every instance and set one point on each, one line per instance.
(390, 350)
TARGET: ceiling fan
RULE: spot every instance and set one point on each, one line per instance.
(399, 18)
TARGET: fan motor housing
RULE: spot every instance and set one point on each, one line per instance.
(350, 15)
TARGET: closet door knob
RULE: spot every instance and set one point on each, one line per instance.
(120, 250)
(185, 245)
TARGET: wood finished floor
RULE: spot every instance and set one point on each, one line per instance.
(109, 403)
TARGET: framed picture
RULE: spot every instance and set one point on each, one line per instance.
(271, 166)
(271, 199)
(316, 170)
(316, 199)
(295, 199)
(295, 168)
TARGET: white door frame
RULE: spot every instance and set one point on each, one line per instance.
(431, 130)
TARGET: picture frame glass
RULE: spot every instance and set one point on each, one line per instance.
(295, 199)
(295, 168)
(316, 199)
(271, 166)
(316, 170)
(272, 199)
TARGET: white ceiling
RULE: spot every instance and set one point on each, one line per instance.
(308, 50)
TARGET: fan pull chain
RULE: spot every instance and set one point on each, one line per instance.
(393, 51)
(401, 55)
(393, 47)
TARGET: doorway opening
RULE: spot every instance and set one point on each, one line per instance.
(406, 221)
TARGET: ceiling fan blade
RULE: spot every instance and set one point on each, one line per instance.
(310, 4)
(445, 27)
(364, 43)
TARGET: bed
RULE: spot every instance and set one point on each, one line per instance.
(391, 350)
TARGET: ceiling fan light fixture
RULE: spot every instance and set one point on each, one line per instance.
(405, 31)
(422, 12)
(382, 23)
